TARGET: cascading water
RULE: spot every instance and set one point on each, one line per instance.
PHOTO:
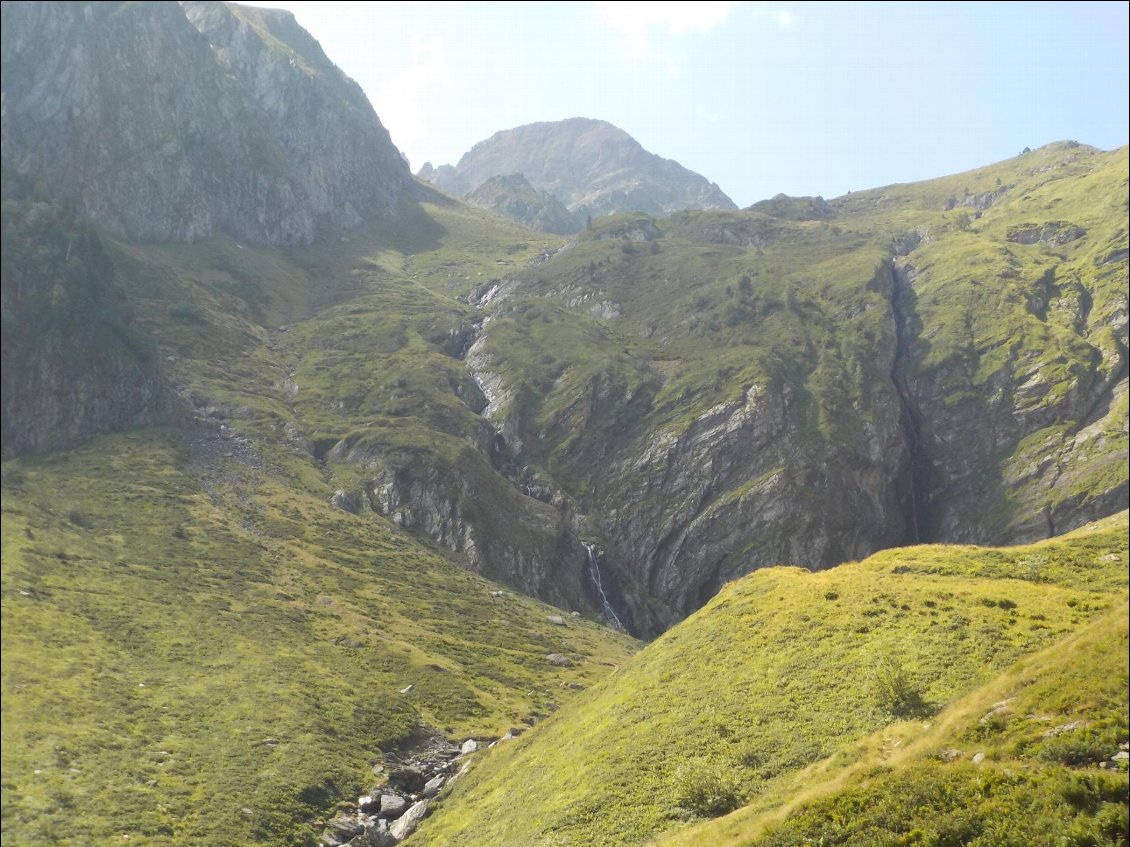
(594, 573)
(902, 293)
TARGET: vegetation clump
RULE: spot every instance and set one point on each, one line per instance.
(707, 788)
(896, 692)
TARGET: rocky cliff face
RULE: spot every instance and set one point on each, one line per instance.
(746, 485)
(174, 122)
(761, 477)
(1029, 449)
(74, 366)
(804, 392)
(506, 531)
(592, 167)
(155, 122)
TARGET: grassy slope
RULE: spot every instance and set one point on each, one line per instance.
(368, 320)
(782, 669)
(172, 599)
(299, 350)
(687, 327)
(1030, 787)
(166, 611)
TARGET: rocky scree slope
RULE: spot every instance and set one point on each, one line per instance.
(175, 122)
(591, 166)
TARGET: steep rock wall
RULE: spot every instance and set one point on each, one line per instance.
(164, 122)
(74, 366)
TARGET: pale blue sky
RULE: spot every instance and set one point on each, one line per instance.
(804, 98)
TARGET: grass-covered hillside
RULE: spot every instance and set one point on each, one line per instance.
(198, 651)
(1014, 306)
(202, 644)
(691, 397)
(1036, 756)
(797, 686)
(310, 469)
(348, 354)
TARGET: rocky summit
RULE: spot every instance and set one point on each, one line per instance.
(544, 498)
(592, 167)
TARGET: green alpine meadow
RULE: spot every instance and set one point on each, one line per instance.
(544, 499)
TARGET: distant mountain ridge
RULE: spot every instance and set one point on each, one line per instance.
(591, 166)
(174, 122)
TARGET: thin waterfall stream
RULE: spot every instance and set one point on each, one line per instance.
(594, 572)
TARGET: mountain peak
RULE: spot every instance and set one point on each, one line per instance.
(591, 166)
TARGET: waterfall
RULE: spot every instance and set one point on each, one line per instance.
(594, 572)
(919, 466)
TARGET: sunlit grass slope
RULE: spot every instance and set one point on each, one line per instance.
(197, 651)
(1017, 761)
(781, 670)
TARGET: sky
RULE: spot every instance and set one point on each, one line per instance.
(761, 98)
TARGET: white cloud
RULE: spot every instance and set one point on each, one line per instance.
(401, 102)
(637, 21)
(786, 19)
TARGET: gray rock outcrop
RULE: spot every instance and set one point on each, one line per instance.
(406, 824)
(392, 806)
(175, 122)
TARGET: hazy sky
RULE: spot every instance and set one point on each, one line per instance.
(804, 98)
